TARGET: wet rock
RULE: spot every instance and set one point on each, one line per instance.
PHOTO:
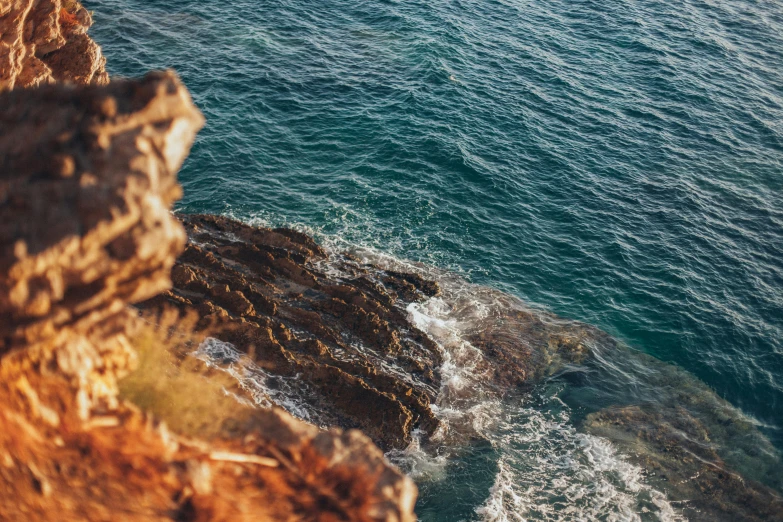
(682, 460)
(337, 334)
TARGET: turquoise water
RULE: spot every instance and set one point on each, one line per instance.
(619, 163)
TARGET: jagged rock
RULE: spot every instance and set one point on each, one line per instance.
(340, 325)
(335, 333)
(87, 178)
(123, 465)
(45, 41)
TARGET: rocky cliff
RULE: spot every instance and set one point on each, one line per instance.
(87, 178)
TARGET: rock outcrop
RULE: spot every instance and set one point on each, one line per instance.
(87, 178)
(337, 333)
(87, 181)
(342, 326)
(45, 41)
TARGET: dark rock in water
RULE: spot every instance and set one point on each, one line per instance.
(347, 328)
(341, 326)
(336, 333)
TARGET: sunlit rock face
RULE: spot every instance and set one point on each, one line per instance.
(88, 176)
(45, 41)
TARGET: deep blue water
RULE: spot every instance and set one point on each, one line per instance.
(619, 163)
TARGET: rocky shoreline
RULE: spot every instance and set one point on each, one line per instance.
(339, 325)
(87, 180)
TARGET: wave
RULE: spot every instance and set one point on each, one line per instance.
(546, 469)
(265, 389)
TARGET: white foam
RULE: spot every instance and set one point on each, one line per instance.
(418, 463)
(549, 471)
(266, 390)
(546, 470)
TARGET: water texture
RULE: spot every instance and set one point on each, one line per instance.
(619, 163)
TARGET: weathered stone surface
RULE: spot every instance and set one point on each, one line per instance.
(340, 325)
(122, 465)
(45, 41)
(86, 180)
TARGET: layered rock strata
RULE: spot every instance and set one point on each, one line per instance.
(336, 333)
(45, 41)
(87, 177)
(342, 328)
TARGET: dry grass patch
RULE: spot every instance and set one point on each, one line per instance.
(179, 389)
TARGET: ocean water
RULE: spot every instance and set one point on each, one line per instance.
(616, 163)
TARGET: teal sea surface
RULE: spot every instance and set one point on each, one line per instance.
(616, 163)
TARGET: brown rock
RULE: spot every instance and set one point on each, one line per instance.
(86, 226)
(125, 466)
(45, 41)
(336, 335)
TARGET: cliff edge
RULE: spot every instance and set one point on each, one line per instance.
(87, 239)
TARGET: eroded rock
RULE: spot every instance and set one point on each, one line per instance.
(682, 456)
(45, 41)
(335, 333)
(87, 177)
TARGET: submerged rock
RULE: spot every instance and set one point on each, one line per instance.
(681, 459)
(709, 458)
